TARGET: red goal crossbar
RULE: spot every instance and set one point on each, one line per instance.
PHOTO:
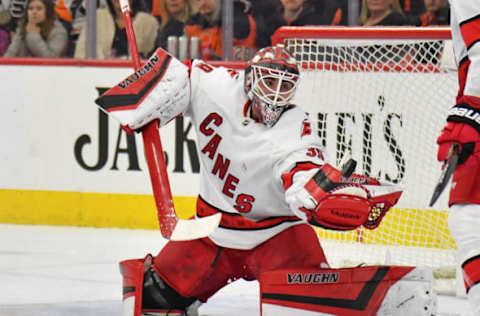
(348, 32)
(308, 34)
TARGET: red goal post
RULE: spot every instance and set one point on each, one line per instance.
(382, 93)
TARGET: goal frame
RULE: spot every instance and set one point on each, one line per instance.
(341, 32)
(303, 34)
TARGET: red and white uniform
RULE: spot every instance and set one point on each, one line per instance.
(264, 176)
(245, 168)
(465, 24)
(248, 173)
(464, 218)
(245, 165)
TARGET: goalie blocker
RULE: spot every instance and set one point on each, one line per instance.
(373, 290)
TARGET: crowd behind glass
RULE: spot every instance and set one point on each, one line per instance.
(49, 28)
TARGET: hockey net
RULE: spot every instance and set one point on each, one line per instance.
(382, 94)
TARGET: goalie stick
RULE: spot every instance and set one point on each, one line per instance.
(449, 165)
(171, 227)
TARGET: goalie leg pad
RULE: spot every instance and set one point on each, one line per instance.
(145, 292)
(412, 295)
(374, 290)
(132, 272)
(474, 299)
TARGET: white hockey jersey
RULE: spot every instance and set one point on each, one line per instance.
(465, 24)
(245, 165)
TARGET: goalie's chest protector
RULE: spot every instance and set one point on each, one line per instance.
(238, 158)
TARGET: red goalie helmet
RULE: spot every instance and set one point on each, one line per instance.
(271, 79)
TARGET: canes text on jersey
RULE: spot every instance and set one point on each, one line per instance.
(244, 202)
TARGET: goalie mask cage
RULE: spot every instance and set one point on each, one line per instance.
(383, 94)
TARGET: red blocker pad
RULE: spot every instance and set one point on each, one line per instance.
(160, 89)
(129, 92)
(348, 291)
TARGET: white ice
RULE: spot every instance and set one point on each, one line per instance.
(73, 271)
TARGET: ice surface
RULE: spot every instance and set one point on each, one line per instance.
(51, 270)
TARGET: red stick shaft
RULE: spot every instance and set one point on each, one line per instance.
(154, 153)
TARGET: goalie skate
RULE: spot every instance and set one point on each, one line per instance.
(137, 285)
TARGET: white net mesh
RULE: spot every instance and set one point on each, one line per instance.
(385, 101)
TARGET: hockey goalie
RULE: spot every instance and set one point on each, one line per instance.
(264, 170)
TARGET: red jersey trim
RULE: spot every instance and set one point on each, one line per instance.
(246, 107)
(471, 272)
(287, 178)
(471, 31)
(189, 64)
(462, 77)
(236, 221)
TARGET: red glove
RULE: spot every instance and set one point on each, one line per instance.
(343, 209)
(461, 133)
(351, 206)
(463, 128)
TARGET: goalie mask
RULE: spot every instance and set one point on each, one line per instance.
(271, 79)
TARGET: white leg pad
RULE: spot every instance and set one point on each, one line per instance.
(474, 299)
(412, 295)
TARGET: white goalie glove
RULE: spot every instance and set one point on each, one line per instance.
(159, 90)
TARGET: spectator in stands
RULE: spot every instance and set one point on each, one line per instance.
(382, 12)
(5, 19)
(63, 13)
(39, 34)
(172, 15)
(259, 9)
(331, 12)
(412, 7)
(296, 13)
(111, 32)
(437, 12)
(207, 25)
(293, 13)
(266, 7)
(17, 9)
(72, 14)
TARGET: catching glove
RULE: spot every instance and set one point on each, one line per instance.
(333, 201)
